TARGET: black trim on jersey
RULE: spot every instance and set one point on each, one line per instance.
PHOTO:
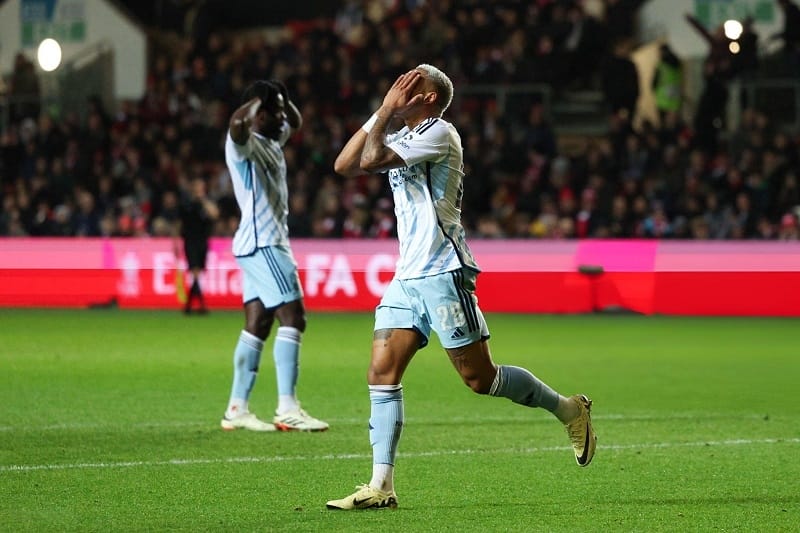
(467, 302)
(425, 125)
(274, 267)
(429, 183)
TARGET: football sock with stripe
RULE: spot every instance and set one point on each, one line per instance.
(522, 387)
(286, 352)
(246, 358)
(385, 428)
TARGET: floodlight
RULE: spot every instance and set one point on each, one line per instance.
(49, 55)
(733, 29)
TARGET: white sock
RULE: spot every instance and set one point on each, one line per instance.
(382, 477)
(236, 407)
(287, 403)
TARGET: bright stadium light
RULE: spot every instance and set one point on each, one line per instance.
(733, 29)
(49, 55)
(734, 47)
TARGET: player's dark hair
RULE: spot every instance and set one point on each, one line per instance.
(266, 90)
(282, 88)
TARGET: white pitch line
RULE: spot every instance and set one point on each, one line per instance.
(78, 426)
(414, 420)
(338, 457)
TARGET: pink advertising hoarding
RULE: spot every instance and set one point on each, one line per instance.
(692, 277)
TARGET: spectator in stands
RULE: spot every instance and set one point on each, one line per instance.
(790, 228)
(583, 46)
(546, 65)
(620, 222)
(299, 220)
(718, 68)
(657, 224)
(24, 89)
(621, 81)
(668, 83)
(788, 196)
(620, 16)
(383, 224)
(538, 134)
(790, 34)
(86, 219)
(746, 61)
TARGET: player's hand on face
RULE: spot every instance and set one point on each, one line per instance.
(399, 96)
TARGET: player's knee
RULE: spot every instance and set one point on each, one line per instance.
(297, 321)
(383, 375)
(478, 384)
(259, 326)
(292, 317)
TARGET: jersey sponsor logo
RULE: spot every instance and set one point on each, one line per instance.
(398, 176)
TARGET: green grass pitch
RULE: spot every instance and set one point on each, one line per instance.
(110, 422)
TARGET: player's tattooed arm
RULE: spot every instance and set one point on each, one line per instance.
(348, 162)
(376, 156)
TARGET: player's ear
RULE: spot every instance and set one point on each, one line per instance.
(430, 97)
(261, 115)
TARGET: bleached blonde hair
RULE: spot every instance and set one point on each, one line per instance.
(444, 87)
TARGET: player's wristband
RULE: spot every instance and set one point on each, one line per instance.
(371, 122)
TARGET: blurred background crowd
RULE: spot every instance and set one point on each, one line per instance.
(126, 171)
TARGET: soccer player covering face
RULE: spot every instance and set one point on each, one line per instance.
(271, 287)
(434, 282)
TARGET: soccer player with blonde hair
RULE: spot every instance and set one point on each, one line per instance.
(434, 282)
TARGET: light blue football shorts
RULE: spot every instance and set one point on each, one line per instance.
(444, 302)
(270, 274)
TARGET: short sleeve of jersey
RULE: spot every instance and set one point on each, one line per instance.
(429, 141)
(238, 152)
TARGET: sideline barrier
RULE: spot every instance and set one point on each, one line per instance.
(664, 277)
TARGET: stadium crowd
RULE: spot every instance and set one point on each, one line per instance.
(126, 172)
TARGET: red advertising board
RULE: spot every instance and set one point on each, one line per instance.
(688, 278)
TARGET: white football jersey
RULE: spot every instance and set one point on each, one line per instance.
(258, 173)
(427, 200)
